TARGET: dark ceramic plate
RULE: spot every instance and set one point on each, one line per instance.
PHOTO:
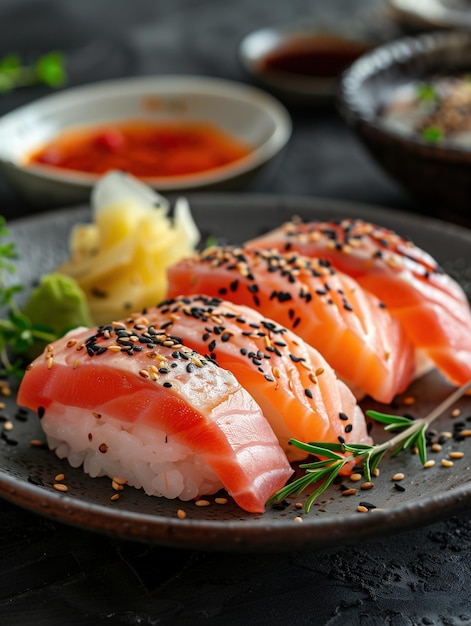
(27, 473)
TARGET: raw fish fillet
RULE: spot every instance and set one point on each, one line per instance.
(295, 387)
(349, 326)
(431, 306)
(127, 373)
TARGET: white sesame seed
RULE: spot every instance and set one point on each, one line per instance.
(398, 476)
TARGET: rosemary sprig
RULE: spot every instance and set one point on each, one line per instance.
(335, 456)
(17, 333)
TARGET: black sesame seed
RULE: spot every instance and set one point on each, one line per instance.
(41, 412)
(21, 415)
(8, 440)
(368, 505)
(35, 481)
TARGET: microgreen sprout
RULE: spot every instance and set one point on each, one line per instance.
(48, 69)
(17, 333)
(426, 92)
(432, 134)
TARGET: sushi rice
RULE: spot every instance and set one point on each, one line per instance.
(144, 456)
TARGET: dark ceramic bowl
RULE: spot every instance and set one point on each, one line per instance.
(436, 174)
(428, 14)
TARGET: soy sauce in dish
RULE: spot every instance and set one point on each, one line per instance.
(323, 56)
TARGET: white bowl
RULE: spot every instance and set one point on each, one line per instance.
(247, 113)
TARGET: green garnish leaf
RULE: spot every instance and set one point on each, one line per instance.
(426, 92)
(48, 69)
(53, 308)
(335, 456)
(329, 451)
(211, 241)
(432, 134)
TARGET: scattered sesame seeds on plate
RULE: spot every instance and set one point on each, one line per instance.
(402, 495)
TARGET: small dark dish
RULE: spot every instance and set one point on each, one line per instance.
(301, 63)
(437, 173)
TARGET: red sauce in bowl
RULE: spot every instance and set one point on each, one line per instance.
(143, 149)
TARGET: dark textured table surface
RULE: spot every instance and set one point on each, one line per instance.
(51, 573)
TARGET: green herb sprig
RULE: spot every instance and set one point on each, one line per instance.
(48, 69)
(336, 456)
(17, 334)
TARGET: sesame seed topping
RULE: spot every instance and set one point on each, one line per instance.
(60, 487)
(355, 477)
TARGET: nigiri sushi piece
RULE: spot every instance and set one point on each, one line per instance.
(431, 306)
(349, 326)
(297, 390)
(123, 400)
